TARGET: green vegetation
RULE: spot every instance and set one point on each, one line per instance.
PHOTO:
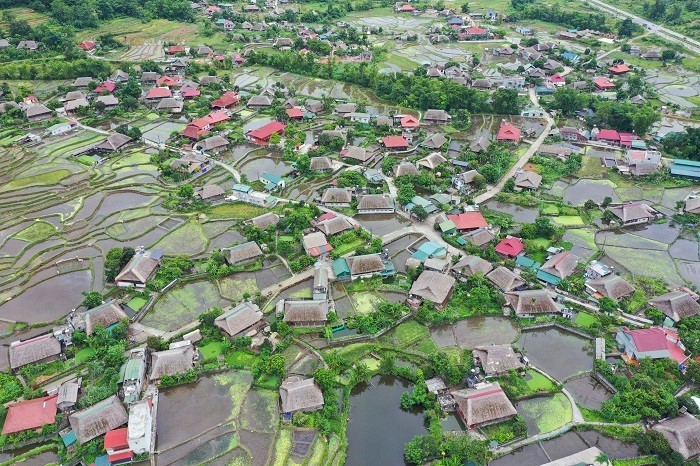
(584, 319)
(36, 232)
(10, 388)
(238, 210)
(48, 178)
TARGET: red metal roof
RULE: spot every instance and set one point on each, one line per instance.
(603, 83)
(476, 31)
(315, 252)
(193, 132)
(407, 8)
(190, 92)
(656, 339)
(326, 216)
(169, 81)
(294, 113)
(265, 131)
(508, 132)
(117, 439)
(608, 135)
(30, 414)
(158, 93)
(87, 45)
(108, 86)
(120, 456)
(176, 49)
(227, 99)
(468, 220)
(510, 246)
(395, 142)
(216, 117)
(409, 122)
(620, 69)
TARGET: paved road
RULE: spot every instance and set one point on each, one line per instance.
(661, 31)
(229, 168)
(492, 191)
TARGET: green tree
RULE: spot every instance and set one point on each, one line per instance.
(505, 102)
(607, 305)
(464, 8)
(606, 201)
(186, 192)
(92, 299)
(627, 28)
(644, 118)
(420, 212)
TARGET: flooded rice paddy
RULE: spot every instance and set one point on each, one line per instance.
(588, 392)
(520, 214)
(544, 414)
(558, 353)
(475, 331)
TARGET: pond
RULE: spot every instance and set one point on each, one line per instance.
(595, 190)
(519, 213)
(475, 331)
(254, 168)
(41, 459)
(381, 224)
(544, 414)
(48, 300)
(378, 428)
(588, 392)
(558, 353)
(565, 445)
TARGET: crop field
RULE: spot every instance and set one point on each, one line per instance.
(189, 239)
(545, 414)
(234, 289)
(236, 210)
(645, 262)
(181, 305)
(36, 232)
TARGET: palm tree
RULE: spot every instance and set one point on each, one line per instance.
(602, 458)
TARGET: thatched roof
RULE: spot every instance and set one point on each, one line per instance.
(432, 160)
(98, 419)
(676, 304)
(105, 314)
(68, 394)
(334, 226)
(302, 311)
(238, 319)
(612, 286)
(469, 265)
(480, 237)
(259, 101)
(321, 163)
(692, 205)
(171, 361)
(242, 252)
(532, 302)
(297, 394)
(436, 115)
(214, 142)
(37, 109)
(375, 202)
(498, 359)
(33, 350)
(265, 221)
(483, 405)
(369, 263)
(633, 211)
(405, 168)
(209, 191)
(561, 265)
(358, 153)
(682, 433)
(505, 279)
(336, 196)
(433, 286)
(139, 269)
(434, 141)
(528, 179)
(314, 240)
(114, 142)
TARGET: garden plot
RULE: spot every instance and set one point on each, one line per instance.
(149, 50)
(595, 190)
(188, 239)
(160, 133)
(211, 449)
(234, 287)
(183, 304)
(134, 229)
(645, 262)
(628, 240)
(433, 53)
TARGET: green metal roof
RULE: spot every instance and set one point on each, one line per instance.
(526, 262)
(340, 267)
(447, 225)
(132, 369)
(548, 277)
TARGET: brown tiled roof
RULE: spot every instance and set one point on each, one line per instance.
(98, 419)
(470, 265)
(368, 263)
(532, 302)
(433, 286)
(172, 361)
(238, 319)
(505, 279)
(297, 394)
(612, 286)
(483, 405)
(33, 350)
(676, 304)
(561, 265)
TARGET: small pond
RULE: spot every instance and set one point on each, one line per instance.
(560, 354)
(588, 392)
(520, 214)
(253, 169)
(378, 428)
(544, 414)
(595, 190)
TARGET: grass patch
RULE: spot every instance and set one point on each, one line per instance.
(636, 461)
(540, 243)
(188, 239)
(136, 303)
(48, 178)
(212, 349)
(547, 413)
(371, 363)
(538, 382)
(591, 415)
(549, 209)
(237, 210)
(139, 158)
(240, 358)
(268, 382)
(591, 168)
(584, 319)
(569, 220)
(36, 232)
(282, 447)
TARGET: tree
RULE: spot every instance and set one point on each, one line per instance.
(602, 458)
(569, 100)
(668, 55)
(420, 212)
(607, 305)
(606, 201)
(207, 318)
(92, 299)
(589, 205)
(505, 102)
(465, 8)
(627, 28)
(644, 118)
(303, 164)
(186, 192)
(156, 343)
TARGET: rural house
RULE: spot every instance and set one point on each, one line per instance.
(298, 394)
(172, 361)
(431, 286)
(237, 321)
(497, 360)
(242, 253)
(44, 348)
(140, 269)
(99, 418)
(303, 313)
(483, 405)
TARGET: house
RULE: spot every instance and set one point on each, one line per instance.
(140, 268)
(73, 105)
(497, 360)
(106, 314)
(533, 113)
(434, 141)
(508, 133)
(44, 348)
(619, 69)
(337, 197)
(239, 320)
(132, 375)
(608, 136)
(30, 45)
(409, 122)
(112, 143)
(686, 168)
(405, 168)
(641, 162)
(482, 405)
(422, 202)
(299, 394)
(676, 305)
(597, 269)
(169, 81)
(225, 100)
(272, 182)
(108, 101)
(173, 361)
(611, 286)
(603, 84)
(398, 143)
(259, 101)
(654, 343)
(67, 396)
(262, 135)
(510, 246)
(429, 249)
(634, 213)
(212, 144)
(82, 82)
(30, 414)
(474, 33)
(568, 133)
(38, 112)
(558, 267)
(436, 386)
(467, 221)
(480, 237)
(375, 204)
(333, 226)
(480, 144)
(242, 253)
(209, 192)
(531, 302)
(116, 444)
(364, 266)
(295, 113)
(470, 265)
(431, 286)
(303, 313)
(140, 427)
(359, 117)
(436, 117)
(60, 128)
(431, 161)
(682, 433)
(316, 245)
(360, 154)
(344, 109)
(156, 94)
(505, 279)
(175, 49)
(321, 164)
(265, 221)
(98, 419)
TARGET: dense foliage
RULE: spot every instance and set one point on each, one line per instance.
(684, 145)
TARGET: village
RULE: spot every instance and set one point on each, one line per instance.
(367, 233)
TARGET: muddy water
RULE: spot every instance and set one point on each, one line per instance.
(378, 429)
(558, 353)
(583, 190)
(38, 460)
(588, 392)
(121, 201)
(475, 331)
(381, 224)
(520, 214)
(662, 232)
(48, 300)
(254, 168)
